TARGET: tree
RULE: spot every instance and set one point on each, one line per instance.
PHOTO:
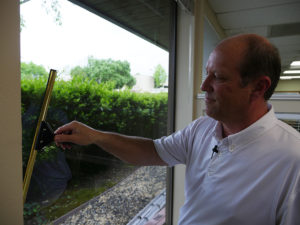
(31, 70)
(106, 70)
(50, 6)
(160, 76)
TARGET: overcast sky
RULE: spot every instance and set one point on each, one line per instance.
(82, 34)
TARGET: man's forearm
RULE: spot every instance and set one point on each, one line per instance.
(134, 150)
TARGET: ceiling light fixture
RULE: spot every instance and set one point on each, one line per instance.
(289, 77)
(295, 63)
(291, 72)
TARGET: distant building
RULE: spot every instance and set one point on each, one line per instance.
(144, 83)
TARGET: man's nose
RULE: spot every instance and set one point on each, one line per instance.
(206, 86)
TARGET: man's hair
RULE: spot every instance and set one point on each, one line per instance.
(260, 58)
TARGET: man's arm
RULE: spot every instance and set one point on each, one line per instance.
(134, 150)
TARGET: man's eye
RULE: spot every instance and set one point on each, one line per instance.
(217, 76)
(220, 78)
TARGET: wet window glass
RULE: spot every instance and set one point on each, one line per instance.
(110, 77)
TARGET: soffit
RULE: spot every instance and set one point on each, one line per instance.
(148, 19)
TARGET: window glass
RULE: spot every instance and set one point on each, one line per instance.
(108, 78)
(291, 119)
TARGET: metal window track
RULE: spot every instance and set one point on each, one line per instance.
(150, 210)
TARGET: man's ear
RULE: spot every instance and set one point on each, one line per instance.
(260, 86)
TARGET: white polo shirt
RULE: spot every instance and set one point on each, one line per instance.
(254, 178)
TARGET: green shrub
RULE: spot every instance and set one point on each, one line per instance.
(97, 105)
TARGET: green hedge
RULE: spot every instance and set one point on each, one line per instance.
(99, 106)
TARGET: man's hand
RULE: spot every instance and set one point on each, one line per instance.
(74, 132)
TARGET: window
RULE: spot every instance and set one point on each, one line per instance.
(86, 181)
(291, 119)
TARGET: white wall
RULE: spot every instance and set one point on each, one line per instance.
(288, 86)
(11, 212)
(184, 95)
(286, 103)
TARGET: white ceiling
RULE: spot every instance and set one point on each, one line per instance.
(278, 20)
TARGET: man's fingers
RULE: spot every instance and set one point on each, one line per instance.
(64, 129)
(74, 132)
(59, 138)
(62, 140)
(65, 146)
(67, 128)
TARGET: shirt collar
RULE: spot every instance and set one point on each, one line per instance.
(248, 134)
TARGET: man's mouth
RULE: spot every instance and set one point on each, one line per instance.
(209, 99)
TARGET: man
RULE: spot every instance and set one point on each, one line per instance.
(254, 175)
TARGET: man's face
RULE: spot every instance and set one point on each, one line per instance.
(226, 100)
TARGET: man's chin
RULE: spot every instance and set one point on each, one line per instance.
(211, 113)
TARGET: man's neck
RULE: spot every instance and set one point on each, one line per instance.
(239, 124)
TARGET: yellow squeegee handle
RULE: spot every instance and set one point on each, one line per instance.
(43, 113)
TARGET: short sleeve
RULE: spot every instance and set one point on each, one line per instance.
(173, 149)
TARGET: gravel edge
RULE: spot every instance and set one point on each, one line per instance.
(119, 204)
